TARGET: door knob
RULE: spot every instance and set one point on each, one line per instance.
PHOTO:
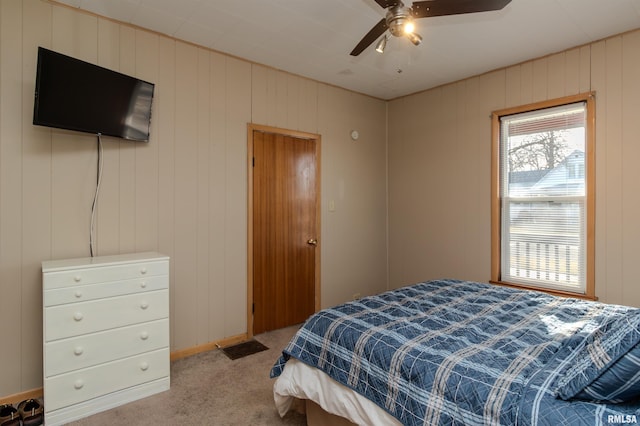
(312, 242)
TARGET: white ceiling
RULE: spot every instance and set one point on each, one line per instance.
(313, 38)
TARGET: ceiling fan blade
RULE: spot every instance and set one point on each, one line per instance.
(371, 36)
(424, 9)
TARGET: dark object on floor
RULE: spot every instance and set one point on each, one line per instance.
(31, 412)
(243, 349)
(9, 415)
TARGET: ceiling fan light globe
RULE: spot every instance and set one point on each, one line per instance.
(415, 38)
(409, 27)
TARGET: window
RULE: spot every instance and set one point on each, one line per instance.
(542, 196)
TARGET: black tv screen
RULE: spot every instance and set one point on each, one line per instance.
(76, 95)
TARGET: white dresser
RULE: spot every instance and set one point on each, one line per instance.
(106, 332)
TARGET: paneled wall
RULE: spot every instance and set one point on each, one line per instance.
(184, 193)
(440, 165)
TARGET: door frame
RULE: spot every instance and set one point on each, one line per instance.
(251, 127)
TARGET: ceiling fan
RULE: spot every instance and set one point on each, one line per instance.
(399, 18)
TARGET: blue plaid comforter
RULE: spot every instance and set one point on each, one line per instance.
(455, 352)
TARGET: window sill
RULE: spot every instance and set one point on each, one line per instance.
(547, 290)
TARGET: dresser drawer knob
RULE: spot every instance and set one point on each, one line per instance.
(143, 270)
(77, 278)
(78, 384)
(78, 350)
(78, 294)
(143, 284)
(144, 366)
(144, 305)
(78, 316)
(144, 335)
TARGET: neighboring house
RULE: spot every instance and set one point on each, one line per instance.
(567, 178)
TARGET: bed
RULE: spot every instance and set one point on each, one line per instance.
(454, 352)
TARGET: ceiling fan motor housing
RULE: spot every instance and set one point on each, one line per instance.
(397, 17)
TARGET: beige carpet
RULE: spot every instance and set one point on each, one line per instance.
(211, 389)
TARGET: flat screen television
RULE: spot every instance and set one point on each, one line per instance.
(76, 95)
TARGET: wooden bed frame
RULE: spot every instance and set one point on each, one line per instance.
(316, 416)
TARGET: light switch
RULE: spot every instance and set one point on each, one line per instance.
(332, 206)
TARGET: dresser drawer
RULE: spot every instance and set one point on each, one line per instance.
(88, 350)
(80, 293)
(101, 274)
(97, 315)
(81, 385)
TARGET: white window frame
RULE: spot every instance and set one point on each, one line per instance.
(499, 242)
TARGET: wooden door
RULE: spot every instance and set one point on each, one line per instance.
(284, 230)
